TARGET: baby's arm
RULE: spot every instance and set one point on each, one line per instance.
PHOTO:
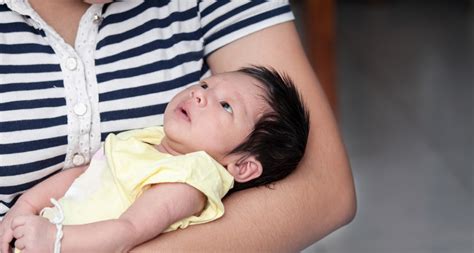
(35, 199)
(153, 212)
(54, 187)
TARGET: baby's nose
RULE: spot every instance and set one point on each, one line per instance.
(199, 98)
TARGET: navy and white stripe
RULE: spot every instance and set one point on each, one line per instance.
(57, 103)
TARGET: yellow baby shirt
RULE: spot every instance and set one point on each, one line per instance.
(128, 165)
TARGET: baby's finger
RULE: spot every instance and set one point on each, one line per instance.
(19, 232)
(18, 221)
(20, 244)
(6, 239)
(4, 247)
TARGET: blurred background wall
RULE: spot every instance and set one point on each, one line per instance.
(400, 77)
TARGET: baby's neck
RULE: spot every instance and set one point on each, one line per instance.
(163, 147)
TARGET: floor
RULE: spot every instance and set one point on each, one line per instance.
(405, 76)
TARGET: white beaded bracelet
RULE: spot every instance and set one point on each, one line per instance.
(58, 221)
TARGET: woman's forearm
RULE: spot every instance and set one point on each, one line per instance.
(300, 210)
(286, 219)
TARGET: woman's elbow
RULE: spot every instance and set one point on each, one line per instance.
(347, 201)
(348, 206)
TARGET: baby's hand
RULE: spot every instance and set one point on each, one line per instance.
(33, 234)
(6, 233)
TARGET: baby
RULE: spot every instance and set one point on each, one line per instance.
(232, 130)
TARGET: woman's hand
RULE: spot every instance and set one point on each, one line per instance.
(33, 234)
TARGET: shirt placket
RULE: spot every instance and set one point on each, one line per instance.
(86, 108)
(80, 85)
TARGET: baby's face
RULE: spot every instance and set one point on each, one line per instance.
(215, 115)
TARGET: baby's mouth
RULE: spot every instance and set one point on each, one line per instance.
(185, 113)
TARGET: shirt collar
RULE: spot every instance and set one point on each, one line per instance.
(22, 7)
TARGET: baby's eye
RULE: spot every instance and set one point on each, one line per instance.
(204, 85)
(227, 107)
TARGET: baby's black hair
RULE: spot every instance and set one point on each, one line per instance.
(279, 138)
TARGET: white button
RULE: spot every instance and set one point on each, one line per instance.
(71, 63)
(80, 109)
(78, 160)
(97, 18)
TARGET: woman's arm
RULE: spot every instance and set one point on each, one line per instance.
(153, 212)
(315, 200)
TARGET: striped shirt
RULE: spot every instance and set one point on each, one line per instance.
(58, 102)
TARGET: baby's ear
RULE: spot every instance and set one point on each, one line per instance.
(246, 170)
